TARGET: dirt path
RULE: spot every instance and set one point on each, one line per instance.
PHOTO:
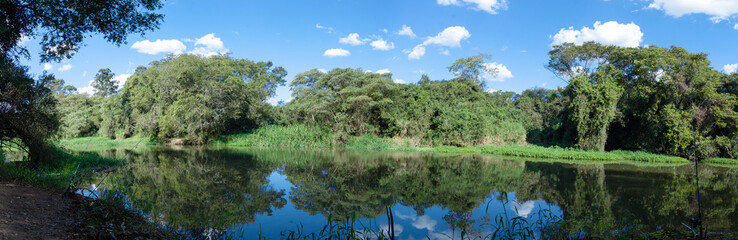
(30, 213)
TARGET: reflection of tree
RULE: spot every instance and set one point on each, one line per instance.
(588, 205)
(608, 199)
(366, 186)
(719, 197)
(194, 190)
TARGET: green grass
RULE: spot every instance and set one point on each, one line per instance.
(63, 171)
(293, 136)
(722, 162)
(533, 151)
(313, 137)
(101, 143)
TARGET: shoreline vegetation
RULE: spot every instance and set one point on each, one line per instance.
(307, 137)
(602, 108)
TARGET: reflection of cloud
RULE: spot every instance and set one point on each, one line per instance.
(425, 222)
(398, 229)
(523, 210)
(405, 217)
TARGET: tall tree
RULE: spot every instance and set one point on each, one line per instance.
(472, 68)
(26, 110)
(104, 84)
(199, 98)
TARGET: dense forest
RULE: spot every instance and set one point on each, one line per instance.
(661, 100)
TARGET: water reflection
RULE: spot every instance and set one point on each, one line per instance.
(246, 193)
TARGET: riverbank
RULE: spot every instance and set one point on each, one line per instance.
(303, 137)
(103, 143)
(47, 196)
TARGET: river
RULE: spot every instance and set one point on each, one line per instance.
(270, 193)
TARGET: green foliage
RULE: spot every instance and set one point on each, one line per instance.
(672, 101)
(457, 112)
(98, 143)
(593, 107)
(58, 173)
(80, 115)
(575, 154)
(293, 136)
(366, 142)
(199, 98)
(27, 111)
(722, 162)
(104, 84)
(472, 68)
(347, 101)
(62, 26)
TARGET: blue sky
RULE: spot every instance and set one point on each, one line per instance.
(302, 35)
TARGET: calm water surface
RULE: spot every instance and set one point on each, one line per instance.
(247, 193)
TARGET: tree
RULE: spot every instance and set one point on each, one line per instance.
(593, 105)
(104, 84)
(349, 101)
(472, 68)
(199, 98)
(672, 100)
(63, 25)
(27, 110)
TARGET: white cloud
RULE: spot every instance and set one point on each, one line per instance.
(609, 33)
(89, 90)
(735, 26)
(445, 52)
(449, 37)
(730, 68)
(121, 79)
(84, 74)
(501, 72)
(406, 31)
(352, 39)
(718, 10)
(322, 70)
(418, 51)
(210, 46)
(523, 210)
(425, 222)
(382, 45)
(489, 6)
(336, 52)
(383, 71)
(65, 68)
(210, 41)
(159, 46)
(329, 29)
(48, 67)
(384, 30)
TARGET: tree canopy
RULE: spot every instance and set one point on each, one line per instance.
(63, 25)
(28, 107)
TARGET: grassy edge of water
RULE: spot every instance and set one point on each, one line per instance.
(722, 162)
(103, 143)
(307, 137)
(105, 216)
